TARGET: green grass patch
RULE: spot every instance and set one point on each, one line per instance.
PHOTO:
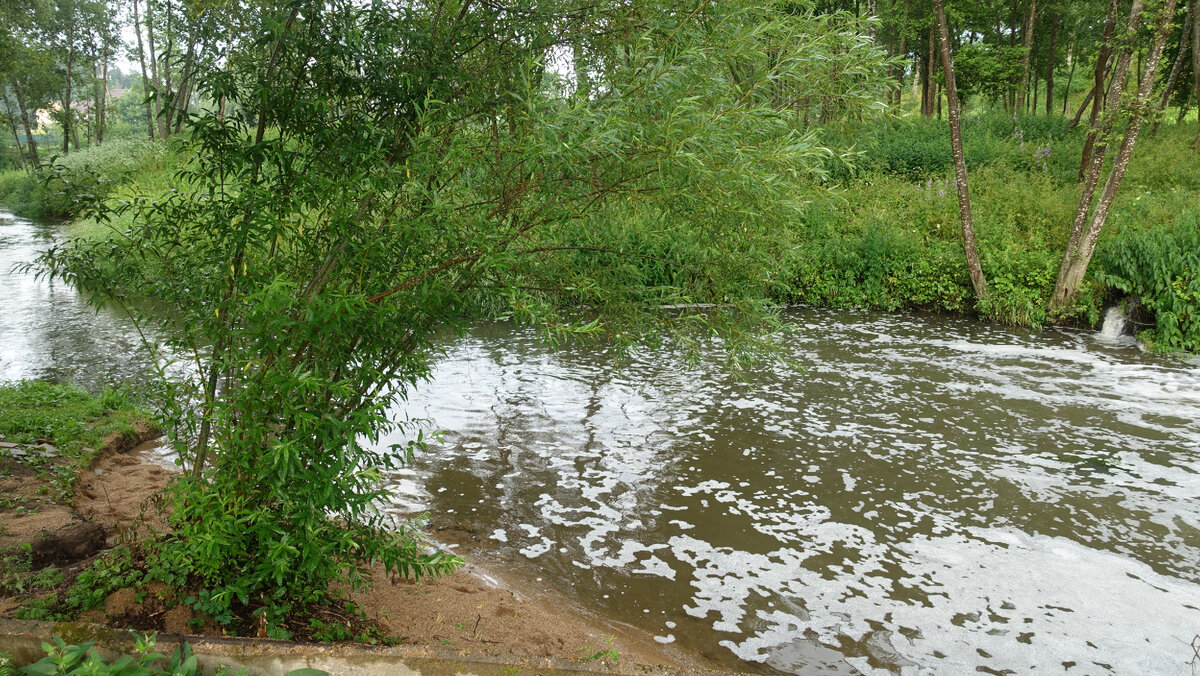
(75, 422)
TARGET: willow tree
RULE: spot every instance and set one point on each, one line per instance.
(394, 166)
(1092, 210)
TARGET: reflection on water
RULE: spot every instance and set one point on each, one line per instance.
(47, 331)
(928, 495)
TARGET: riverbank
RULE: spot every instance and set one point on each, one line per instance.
(73, 515)
(880, 226)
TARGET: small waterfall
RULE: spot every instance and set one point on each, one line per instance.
(1114, 324)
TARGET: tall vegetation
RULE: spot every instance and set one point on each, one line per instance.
(383, 168)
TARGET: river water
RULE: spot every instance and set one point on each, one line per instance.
(921, 495)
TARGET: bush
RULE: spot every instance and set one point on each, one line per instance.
(1160, 268)
(918, 148)
(73, 181)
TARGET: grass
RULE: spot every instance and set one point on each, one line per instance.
(75, 422)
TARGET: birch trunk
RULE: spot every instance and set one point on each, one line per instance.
(1027, 45)
(1110, 24)
(1083, 243)
(978, 281)
(162, 127)
(1176, 67)
(1050, 64)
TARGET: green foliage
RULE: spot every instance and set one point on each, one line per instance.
(986, 69)
(83, 659)
(71, 182)
(919, 148)
(115, 570)
(17, 578)
(392, 169)
(76, 422)
(1161, 269)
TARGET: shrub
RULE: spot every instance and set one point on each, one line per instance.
(76, 180)
(1161, 268)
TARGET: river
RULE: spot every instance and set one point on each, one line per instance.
(920, 495)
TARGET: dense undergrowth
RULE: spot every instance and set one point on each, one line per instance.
(886, 235)
(882, 230)
(72, 181)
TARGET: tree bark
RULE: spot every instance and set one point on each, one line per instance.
(1050, 64)
(30, 142)
(162, 127)
(927, 93)
(1196, 70)
(1070, 76)
(903, 51)
(1027, 45)
(102, 100)
(1083, 243)
(180, 99)
(68, 124)
(1110, 24)
(12, 122)
(137, 29)
(978, 281)
(1176, 67)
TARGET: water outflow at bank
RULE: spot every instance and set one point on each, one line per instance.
(928, 494)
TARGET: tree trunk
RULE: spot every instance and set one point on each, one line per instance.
(68, 123)
(1027, 45)
(1196, 69)
(1176, 67)
(162, 127)
(928, 92)
(1050, 65)
(184, 93)
(1098, 76)
(960, 165)
(903, 51)
(102, 100)
(1071, 76)
(137, 28)
(12, 122)
(30, 142)
(1083, 244)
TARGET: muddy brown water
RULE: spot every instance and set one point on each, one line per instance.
(924, 495)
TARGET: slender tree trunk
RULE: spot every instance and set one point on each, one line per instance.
(185, 87)
(1074, 56)
(102, 100)
(1034, 102)
(1027, 45)
(162, 127)
(1082, 107)
(168, 56)
(12, 122)
(1196, 70)
(1083, 242)
(903, 51)
(929, 91)
(960, 165)
(1176, 67)
(1098, 75)
(137, 29)
(68, 123)
(1050, 64)
(30, 142)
